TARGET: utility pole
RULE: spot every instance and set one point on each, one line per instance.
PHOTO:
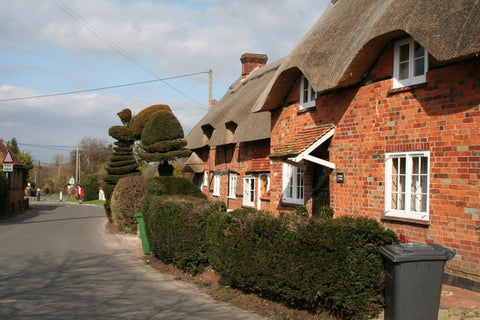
(77, 172)
(209, 89)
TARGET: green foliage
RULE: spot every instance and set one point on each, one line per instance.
(170, 185)
(127, 199)
(164, 146)
(301, 211)
(125, 116)
(161, 126)
(325, 212)
(333, 264)
(176, 230)
(122, 162)
(121, 133)
(139, 121)
(90, 186)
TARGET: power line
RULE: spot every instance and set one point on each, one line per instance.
(102, 88)
(117, 48)
(47, 146)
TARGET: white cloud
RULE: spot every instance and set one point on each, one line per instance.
(44, 50)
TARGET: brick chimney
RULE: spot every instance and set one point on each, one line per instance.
(252, 61)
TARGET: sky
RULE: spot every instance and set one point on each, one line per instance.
(52, 47)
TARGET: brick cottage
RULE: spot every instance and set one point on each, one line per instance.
(376, 113)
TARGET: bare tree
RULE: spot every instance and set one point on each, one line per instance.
(94, 154)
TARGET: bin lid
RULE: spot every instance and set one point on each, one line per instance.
(405, 252)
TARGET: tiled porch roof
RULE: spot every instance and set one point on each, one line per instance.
(301, 141)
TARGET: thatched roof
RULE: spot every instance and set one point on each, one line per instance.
(349, 37)
(235, 109)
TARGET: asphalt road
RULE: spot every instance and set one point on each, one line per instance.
(57, 263)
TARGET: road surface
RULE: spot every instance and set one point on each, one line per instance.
(57, 263)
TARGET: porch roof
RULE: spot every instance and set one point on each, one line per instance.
(302, 141)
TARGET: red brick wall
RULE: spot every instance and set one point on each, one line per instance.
(238, 158)
(442, 116)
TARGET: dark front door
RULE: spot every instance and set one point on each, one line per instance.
(321, 188)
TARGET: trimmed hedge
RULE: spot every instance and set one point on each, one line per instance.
(90, 186)
(127, 199)
(176, 230)
(333, 264)
(171, 185)
(138, 122)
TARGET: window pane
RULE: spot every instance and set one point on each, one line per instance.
(424, 165)
(403, 162)
(313, 95)
(419, 67)
(419, 51)
(401, 202)
(404, 52)
(403, 71)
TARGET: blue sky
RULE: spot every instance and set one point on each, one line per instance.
(56, 46)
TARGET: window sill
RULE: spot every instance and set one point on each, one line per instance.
(389, 217)
(292, 203)
(306, 109)
(406, 88)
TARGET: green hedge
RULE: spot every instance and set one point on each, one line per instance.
(333, 264)
(176, 230)
(127, 199)
(171, 185)
(90, 186)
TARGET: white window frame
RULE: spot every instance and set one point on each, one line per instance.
(216, 184)
(249, 191)
(232, 186)
(411, 79)
(293, 184)
(308, 96)
(205, 178)
(411, 181)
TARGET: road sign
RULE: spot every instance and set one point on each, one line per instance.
(7, 158)
(72, 181)
(8, 167)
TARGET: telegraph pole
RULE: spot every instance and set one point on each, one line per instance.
(210, 89)
(77, 172)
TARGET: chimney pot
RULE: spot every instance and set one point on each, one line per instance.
(252, 61)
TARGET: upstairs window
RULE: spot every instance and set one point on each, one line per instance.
(307, 94)
(410, 63)
(407, 185)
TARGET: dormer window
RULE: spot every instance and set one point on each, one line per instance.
(307, 94)
(207, 133)
(410, 63)
(231, 127)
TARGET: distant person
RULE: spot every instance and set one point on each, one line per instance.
(80, 193)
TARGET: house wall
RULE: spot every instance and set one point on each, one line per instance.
(442, 116)
(16, 193)
(245, 159)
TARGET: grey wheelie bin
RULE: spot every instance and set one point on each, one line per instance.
(414, 274)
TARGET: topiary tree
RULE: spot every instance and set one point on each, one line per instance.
(163, 141)
(139, 121)
(122, 162)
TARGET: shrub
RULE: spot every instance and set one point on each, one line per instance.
(127, 199)
(90, 186)
(171, 185)
(176, 230)
(139, 121)
(333, 264)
